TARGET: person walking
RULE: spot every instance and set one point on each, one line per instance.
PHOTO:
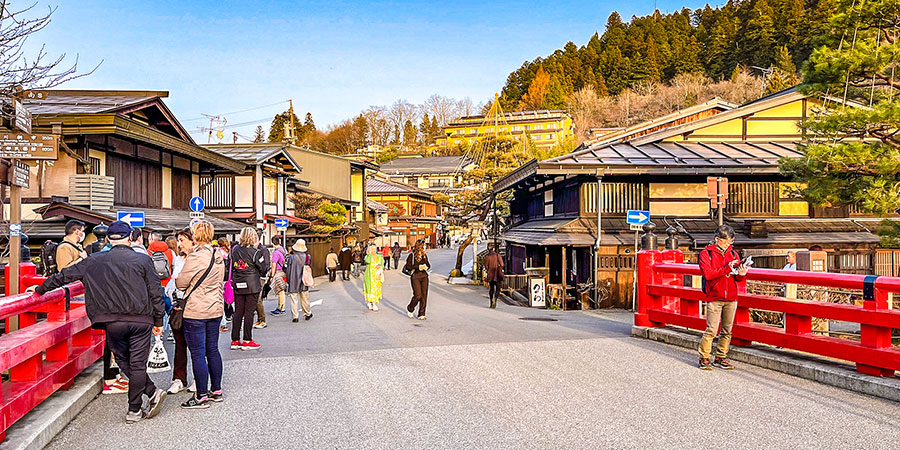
(346, 260)
(224, 248)
(331, 264)
(374, 277)
(493, 263)
(417, 266)
(69, 251)
(721, 269)
(298, 290)
(248, 264)
(201, 278)
(395, 253)
(266, 284)
(122, 296)
(276, 275)
(386, 255)
(357, 255)
(185, 239)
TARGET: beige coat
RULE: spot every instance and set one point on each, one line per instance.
(207, 301)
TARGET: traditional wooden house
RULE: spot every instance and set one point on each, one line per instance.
(411, 212)
(558, 203)
(436, 174)
(119, 150)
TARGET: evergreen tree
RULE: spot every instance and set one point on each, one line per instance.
(409, 134)
(259, 135)
(852, 154)
(425, 130)
(784, 72)
(760, 35)
(276, 131)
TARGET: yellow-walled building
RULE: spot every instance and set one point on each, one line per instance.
(546, 128)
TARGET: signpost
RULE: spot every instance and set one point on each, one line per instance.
(282, 226)
(29, 146)
(717, 191)
(636, 220)
(133, 218)
(197, 204)
(20, 174)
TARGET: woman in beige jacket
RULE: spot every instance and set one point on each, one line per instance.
(202, 279)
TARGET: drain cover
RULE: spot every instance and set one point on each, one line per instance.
(539, 319)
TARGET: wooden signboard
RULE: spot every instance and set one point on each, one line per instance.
(20, 174)
(29, 146)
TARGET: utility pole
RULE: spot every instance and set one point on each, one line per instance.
(290, 128)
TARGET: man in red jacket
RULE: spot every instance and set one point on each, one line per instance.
(721, 269)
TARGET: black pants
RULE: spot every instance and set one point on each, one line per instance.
(244, 307)
(130, 342)
(494, 291)
(332, 274)
(419, 283)
(109, 373)
(387, 263)
(345, 274)
(179, 364)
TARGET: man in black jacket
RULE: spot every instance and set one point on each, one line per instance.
(122, 296)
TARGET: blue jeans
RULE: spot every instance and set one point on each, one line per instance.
(202, 336)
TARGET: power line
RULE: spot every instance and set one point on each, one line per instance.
(241, 111)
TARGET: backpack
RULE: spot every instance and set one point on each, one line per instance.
(48, 256)
(161, 264)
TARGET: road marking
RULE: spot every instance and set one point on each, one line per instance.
(316, 303)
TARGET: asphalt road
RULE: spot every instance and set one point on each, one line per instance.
(472, 377)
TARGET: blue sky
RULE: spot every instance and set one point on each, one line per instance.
(332, 58)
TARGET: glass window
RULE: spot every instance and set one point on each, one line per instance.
(270, 190)
(549, 136)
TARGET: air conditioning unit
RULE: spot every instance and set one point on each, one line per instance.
(95, 192)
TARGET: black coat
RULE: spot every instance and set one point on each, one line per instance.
(120, 285)
(248, 265)
(345, 258)
(412, 265)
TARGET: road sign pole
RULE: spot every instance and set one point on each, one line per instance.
(15, 245)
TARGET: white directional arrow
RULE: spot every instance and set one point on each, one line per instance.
(642, 217)
(127, 218)
(197, 204)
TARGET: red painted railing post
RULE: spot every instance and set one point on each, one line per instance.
(872, 336)
(646, 276)
(669, 302)
(742, 315)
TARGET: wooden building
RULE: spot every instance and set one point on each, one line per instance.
(411, 212)
(119, 150)
(558, 203)
(436, 174)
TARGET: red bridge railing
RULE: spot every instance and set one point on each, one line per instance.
(664, 300)
(43, 356)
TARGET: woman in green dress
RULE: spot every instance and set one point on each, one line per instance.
(374, 277)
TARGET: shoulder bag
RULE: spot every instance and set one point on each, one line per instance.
(176, 317)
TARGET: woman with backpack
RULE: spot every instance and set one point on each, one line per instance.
(298, 285)
(248, 266)
(416, 267)
(201, 279)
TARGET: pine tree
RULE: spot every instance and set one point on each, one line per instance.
(852, 154)
(784, 72)
(760, 35)
(534, 99)
(259, 135)
(425, 130)
(409, 134)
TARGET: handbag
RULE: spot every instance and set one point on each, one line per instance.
(407, 270)
(176, 318)
(228, 290)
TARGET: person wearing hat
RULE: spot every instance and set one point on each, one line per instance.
(294, 267)
(123, 297)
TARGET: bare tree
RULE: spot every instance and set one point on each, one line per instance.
(400, 112)
(465, 107)
(18, 70)
(443, 109)
(379, 128)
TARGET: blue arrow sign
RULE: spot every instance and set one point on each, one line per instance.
(637, 217)
(133, 218)
(281, 223)
(197, 204)
(193, 222)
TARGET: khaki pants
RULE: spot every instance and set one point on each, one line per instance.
(716, 313)
(304, 303)
(280, 301)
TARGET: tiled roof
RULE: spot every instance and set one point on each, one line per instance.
(375, 206)
(88, 102)
(249, 153)
(425, 165)
(377, 186)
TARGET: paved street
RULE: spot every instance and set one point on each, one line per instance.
(471, 377)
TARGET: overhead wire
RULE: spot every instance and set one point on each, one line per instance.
(238, 112)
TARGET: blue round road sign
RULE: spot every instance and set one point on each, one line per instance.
(197, 204)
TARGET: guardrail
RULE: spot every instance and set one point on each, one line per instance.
(43, 356)
(663, 299)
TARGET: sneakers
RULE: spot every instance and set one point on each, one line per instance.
(307, 317)
(422, 318)
(119, 386)
(410, 314)
(374, 306)
(196, 403)
(295, 320)
(249, 345)
(369, 305)
(216, 396)
(704, 364)
(176, 387)
(260, 325)
(156, 402)
(235, 345)
(133, 417)
(722, 363)
(276, 312)
(192, 387)
(223, 329)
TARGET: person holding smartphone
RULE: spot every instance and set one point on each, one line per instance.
(417, 266)
(722, 269)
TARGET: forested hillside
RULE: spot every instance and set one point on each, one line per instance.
(659, 47)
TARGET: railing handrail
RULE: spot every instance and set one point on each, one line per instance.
(825, 279)
(14, 305)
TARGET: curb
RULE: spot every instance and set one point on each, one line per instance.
(41, 424)
(813, 368)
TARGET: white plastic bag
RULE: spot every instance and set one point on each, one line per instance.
(159, 359)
